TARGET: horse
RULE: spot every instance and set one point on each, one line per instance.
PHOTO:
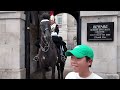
(62, 58)
(49, 55)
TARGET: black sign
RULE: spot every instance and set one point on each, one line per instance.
(103, 31)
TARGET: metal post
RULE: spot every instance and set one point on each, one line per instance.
(27, 45)
(79, 29)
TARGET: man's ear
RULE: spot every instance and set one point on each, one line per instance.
(90, 62)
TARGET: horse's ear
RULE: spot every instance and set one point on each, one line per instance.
(45, 15)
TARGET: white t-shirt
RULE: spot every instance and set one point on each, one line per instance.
(74, 75)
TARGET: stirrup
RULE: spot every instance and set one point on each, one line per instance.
(35, 58)
(63, 58)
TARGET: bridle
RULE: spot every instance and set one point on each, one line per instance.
(47, 45)
(44, 40)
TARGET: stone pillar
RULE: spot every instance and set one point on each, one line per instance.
(118, 46)
(12, 45)
(106, 57)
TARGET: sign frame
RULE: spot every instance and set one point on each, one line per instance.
(101, 31)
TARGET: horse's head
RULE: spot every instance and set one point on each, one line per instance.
(45, 30)
(45, 25)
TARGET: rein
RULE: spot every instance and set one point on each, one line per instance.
(46, 46)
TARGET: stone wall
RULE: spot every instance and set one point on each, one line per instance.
(12, 45)
(105, 60)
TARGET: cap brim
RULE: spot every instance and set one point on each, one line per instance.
(68, 53)
(74, 53)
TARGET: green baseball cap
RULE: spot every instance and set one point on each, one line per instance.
(81, 51)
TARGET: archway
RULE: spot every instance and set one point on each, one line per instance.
(67, 29)
(76, 15)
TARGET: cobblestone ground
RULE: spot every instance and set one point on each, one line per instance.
(37, 75)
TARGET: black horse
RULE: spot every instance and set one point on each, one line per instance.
(49, 55)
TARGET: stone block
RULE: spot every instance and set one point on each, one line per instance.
(104, 66)
(9, 38)
(99, 66)
(22, 56)
(118, 64)
(13, 25)
(97, 13)
(109, 76)
(10, 56)
(12, 15)
(22, 32)
(112, 66)
(12, 73)
(109, 52)
(2, 26)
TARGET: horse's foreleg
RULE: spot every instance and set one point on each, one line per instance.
(58, 69)
(42, 67)
(43, 74)
(62, 64)
(53, 73)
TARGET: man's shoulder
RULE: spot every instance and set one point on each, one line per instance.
(70, 75)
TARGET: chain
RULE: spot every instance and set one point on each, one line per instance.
(43, 48)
